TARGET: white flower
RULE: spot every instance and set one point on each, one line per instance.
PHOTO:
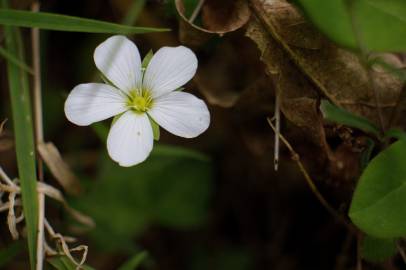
(138, 95)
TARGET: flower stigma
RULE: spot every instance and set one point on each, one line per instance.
(139, 101)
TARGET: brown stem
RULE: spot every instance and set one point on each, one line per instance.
(311, 183)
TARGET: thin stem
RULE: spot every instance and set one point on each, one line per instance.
(310, 182)
(277, 130)
(196, 11)
(39, 133)
(40, 239)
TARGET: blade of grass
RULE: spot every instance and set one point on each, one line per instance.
(24, 138)
(133, 12)
(58, 22)
(9, 57)
(134, 262)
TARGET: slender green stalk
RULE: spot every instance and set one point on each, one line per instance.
(24, 138)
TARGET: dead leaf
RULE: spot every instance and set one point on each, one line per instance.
(334, 72)
(299, 98)
(59, 168)
(218, 18)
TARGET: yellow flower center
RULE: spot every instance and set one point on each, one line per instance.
(140, 100)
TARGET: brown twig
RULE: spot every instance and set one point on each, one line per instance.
(310, 182)
(39, 134)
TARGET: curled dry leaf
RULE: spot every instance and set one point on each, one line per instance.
(218, 17)
(319, 65)
(59, 168)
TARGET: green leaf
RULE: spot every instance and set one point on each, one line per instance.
(378, 249)
(12, 59)
(64, 263)
(147, 59)
(396, 133)
(366, 154)
(338, 115)
(155, 129)
(378, 25)
(134, 262)
(379, 202)
(24, 138)
(58, 22)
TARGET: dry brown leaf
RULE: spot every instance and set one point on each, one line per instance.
(332, 71)
(59, 168)
(219, 17)
(298, 96)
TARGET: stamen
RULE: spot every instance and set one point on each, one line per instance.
(140, 100)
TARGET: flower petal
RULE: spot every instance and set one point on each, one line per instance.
(181, 113)
(169, 69)
(130, 139)
(119, 60)
(93, 102)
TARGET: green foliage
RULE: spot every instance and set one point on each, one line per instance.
(395, 133)
(146, 59)
(374, 24)
(24, 138)
(134, 262)
(12, 59)
(366, 154)
(338, 115)
(378, 249)
(9, 253)
(379, 203)
(51, 21)
(170, 189)
(155, 129)
(64, 263)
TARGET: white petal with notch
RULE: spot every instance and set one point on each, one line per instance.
(119, 60)
(169, 69)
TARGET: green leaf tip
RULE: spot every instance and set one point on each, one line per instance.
(338, 115)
